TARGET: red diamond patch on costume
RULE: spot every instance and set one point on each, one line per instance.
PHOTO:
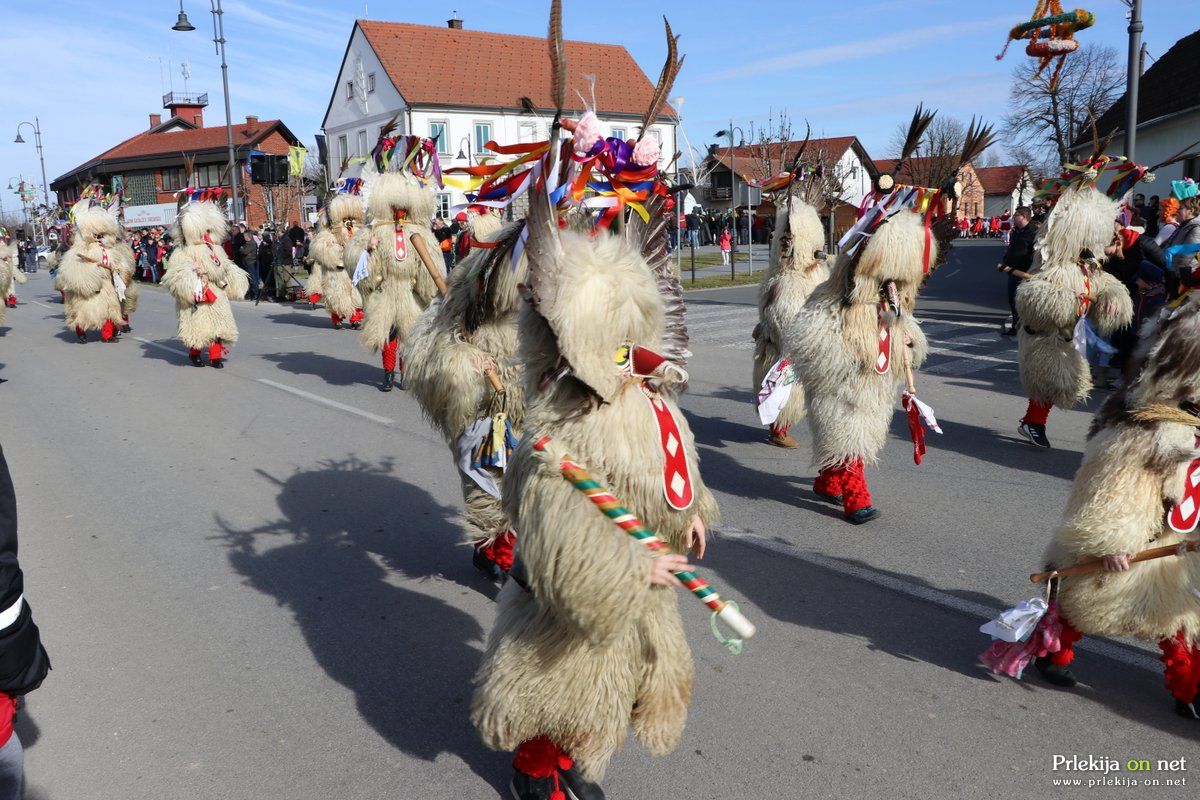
(401, 244)
(677, 477)
(1184, 517)
(883, 360)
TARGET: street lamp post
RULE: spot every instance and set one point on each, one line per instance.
(37, 141)
(732, 196)
(1133, 77)
(182, 24)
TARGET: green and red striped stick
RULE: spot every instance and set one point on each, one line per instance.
(722, 609)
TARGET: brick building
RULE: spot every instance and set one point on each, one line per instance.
(928, 171)
(148, 167)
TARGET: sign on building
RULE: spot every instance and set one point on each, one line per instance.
(151, 216)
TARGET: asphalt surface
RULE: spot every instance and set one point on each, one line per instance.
(250, 587)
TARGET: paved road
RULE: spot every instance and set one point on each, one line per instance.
(249, 583)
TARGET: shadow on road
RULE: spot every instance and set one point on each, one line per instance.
(341, 559)
(334, 371)
(309, 318)
(914, 630)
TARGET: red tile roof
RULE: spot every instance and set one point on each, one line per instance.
(188, 141)
(432, 65)
(749, 157)
(1000, 180)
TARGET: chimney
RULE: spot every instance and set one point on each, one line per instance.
(251, 122)
(455, 22)
(155, 120)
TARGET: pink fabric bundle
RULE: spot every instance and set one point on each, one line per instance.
(1011, 658)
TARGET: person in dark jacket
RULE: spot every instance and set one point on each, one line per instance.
(23, 660)
(1127, 255)
(245, 253)
(266, 258)
(283, 264)
(1019, 255)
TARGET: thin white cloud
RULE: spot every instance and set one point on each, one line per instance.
(875, 46)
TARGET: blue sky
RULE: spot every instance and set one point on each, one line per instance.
(91, 71)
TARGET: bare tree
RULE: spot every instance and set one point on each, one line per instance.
(1043, 124)
(768, 148)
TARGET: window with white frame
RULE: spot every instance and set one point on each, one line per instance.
(483, 135)
(620, 133)
(362, 142)
(443, 205)
(349, 90)
(371, 83)
(439, 133)
(526, 132)
(343, 149)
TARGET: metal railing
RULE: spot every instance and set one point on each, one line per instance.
(185, 99)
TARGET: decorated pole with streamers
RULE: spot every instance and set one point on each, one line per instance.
(723, 609)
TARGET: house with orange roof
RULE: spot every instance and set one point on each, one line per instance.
(464, 88)
(148, 168)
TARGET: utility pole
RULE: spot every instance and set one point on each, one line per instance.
(1133, 77)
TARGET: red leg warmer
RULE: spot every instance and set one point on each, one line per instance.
(1181, 663)
(780, 430)
(828, 482)
(107, 331)
(499, 549)
(337, 320)
(1037, 413)
(216, 350)
(79, 331)
(389, 354)
(1067, 639)
(357, 316)
(855, 494)
(541, 758)
(193, 352)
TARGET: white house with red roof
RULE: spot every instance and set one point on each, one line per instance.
(148, 167)
(464, 89)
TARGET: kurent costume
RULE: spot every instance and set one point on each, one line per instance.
(797, 266)
(1135, 490)
(314, 287)
(203, 280)
(464, 371)
(396, 286)
(1068, 285)
(856, 338)
(584, 644)
(9, 273)
(91, 274)
(344, 215)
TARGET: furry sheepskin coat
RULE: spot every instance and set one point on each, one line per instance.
(591, 647)
(1052, 370)
(447, 360)
(794, 271)
(88, 289)
(395, 291)
(834, 342)
(199, 229)
(345, 215)
(1136, 466)
(9, 273)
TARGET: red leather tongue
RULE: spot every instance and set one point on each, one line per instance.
(646, 362)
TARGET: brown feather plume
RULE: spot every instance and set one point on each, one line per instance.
(1180, 156)
(390, 125)
(558, 57)
(666, 79)
(916, 129)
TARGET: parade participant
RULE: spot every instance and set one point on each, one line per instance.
(314, 286)
(588, 640)
(1135, 491)
(464, 371)
(9, 273)
(343, 216)
(1067, 284)
(796, 267)
(126, 267)
(855, 340)
(90, 274)
(395, 278)
(203, 280)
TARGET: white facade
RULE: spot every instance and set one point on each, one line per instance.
(357, 114)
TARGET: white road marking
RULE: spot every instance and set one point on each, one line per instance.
(161, 346)
(954, 323)
(1121, 653)
(316, 398)
(40, 303)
